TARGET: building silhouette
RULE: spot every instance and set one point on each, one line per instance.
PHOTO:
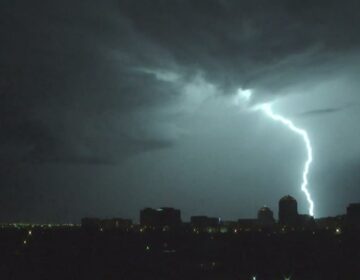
(247, 224)
(306, 221)
(353, 215)
(265, 217)
(205, 224)
(204, 221)
(160, 217)
(288, 213)
(106, 224)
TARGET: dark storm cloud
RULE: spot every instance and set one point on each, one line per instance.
(256, 44)
(77, 77)
(324, 111)
(63, 96)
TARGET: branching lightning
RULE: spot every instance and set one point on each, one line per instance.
(245, 95)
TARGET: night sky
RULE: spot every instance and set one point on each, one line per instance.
(111, 106)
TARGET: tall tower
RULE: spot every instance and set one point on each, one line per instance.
(288, 213)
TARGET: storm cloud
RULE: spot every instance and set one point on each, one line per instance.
(76, 77)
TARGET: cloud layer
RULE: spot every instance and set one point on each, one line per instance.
(86, 82)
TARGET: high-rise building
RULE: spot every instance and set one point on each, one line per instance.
(265, 217)
(160, 217)
(288, 213)
(353, 214)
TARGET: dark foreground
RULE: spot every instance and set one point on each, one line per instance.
(72, 253)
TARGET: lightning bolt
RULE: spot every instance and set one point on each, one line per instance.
(266, 108)
(243, 97)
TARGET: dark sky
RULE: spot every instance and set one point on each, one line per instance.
(110, 106)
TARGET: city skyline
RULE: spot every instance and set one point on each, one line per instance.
(188, 218)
